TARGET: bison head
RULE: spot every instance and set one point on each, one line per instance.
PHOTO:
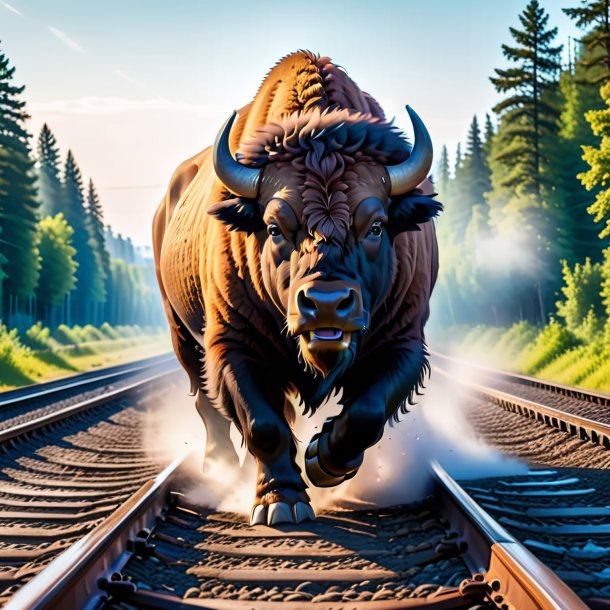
(326, 193)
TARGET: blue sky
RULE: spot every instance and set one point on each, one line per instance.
(133, 88)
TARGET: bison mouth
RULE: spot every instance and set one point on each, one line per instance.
(325, 348)
(325, 334)
(333, 339)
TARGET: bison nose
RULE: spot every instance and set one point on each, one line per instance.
(328, 307)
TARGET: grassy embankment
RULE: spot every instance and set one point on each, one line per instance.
(552, 353)
(41, 355)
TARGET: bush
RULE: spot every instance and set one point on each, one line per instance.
(10, 346)
(518, 337)
(551, 342)
(37, 337)
(575, 365)
(66, 335)
(90, 333)
(581, 289)
(110, 332)
(590, 327)
(128, 330)
(600, 378)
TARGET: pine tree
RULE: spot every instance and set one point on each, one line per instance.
(598, 159)
(475, 173)
(442, 182)
(576, 230)
(457, 168)
(49, 181)
(88, 286)
(95, 218)
(18, 201)
(528, 113)
(488, 134)
(594, 16)
(605, 293)
(58, 265)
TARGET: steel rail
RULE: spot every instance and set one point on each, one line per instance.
(514, 577)
(71, 580)
(586, 429)
(593, 396)
(85, 405)
(13, 398)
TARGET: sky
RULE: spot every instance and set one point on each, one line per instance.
(134, 88)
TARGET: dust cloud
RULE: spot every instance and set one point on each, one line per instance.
(395, 471)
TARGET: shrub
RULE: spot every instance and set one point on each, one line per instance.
(10, 345)
(581, 289)
(518, 337)
(575, 365)
(66, 335)
(551, 342)
(90, 333)
(110, 332)
(37, 336)
(128, 330)
(600, 378)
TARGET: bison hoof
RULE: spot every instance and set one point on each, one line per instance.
(316, 473)
(281, 512)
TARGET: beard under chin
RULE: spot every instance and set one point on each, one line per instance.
(327, 361)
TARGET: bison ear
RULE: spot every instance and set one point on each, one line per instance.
(408, 211)
(239, 214)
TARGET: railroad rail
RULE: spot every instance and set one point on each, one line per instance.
(21, 404)
(587, 396)
(149, 546)
(581, 413)
(161, 551)
(66, 469)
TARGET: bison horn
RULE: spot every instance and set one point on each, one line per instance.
(240, 179)
(411, 172)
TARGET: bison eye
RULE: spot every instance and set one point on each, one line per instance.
(273, 229)
(376, 229)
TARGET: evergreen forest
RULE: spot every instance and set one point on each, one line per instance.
(524, 236)
(525, 232)
(60, 265)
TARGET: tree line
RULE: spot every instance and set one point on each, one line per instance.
(59, 263)
(525, 234)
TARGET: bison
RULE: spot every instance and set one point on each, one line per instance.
(296, 257)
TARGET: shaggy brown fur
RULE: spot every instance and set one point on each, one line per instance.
(323, 143)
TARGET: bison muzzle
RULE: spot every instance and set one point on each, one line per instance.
(296, 257)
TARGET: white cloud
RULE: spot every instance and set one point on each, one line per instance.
(97, 105)
(63, 37)
(12, 9)
(127, 77)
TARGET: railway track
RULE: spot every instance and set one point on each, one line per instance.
(161, 551)
(65, 467)
(30, 402)
(510, 543)
(580, 413)
(562, 515)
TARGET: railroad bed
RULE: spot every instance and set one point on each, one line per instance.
(562, 516)
(67, 466)
(150, 546)
(425, 555)
(383, 556)
(30, 402)
(538, 421)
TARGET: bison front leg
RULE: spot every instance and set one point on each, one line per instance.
(336, 453)
(259, 404)
(218, 445)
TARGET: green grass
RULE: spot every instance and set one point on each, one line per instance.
(43, 356)
(552, 352)
(551, 342)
